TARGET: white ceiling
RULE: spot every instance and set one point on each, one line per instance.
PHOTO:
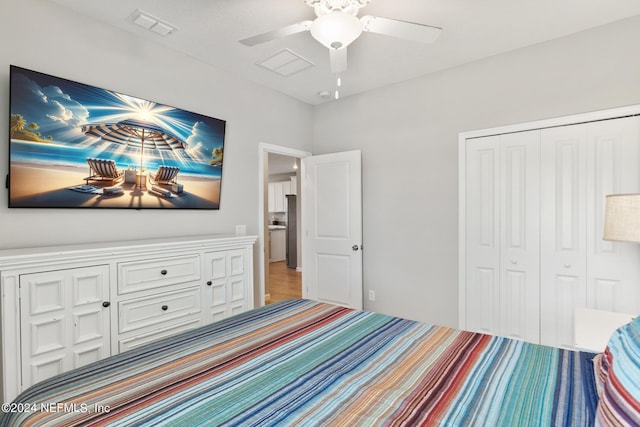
(281, 164)
(209, 30)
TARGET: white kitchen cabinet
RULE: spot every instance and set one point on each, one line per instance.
(63, 307)
(274, 194)
(278, 244)
(277, 192)
(531, 221)
(293, 187)
(276, 197)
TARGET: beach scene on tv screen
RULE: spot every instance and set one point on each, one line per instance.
(76, 145)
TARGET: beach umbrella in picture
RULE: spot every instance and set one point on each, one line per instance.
(135, 134)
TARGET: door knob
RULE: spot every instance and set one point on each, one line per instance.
(355, 247)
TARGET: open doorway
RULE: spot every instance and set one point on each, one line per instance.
(280, 224)
(283, 241)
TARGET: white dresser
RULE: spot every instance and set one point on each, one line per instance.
(63, 307)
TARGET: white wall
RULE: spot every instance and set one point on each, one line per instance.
(42, 36)
(408, 137)
(407, 132)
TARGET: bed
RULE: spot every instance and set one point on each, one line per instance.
(301, 362)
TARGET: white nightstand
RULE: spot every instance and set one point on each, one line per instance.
(593, 328)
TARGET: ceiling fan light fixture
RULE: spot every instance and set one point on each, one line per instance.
(336, 30)
(325, 7)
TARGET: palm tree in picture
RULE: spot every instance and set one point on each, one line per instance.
(17, 123)
(216, 156)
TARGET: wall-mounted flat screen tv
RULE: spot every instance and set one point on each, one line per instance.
(78, 146)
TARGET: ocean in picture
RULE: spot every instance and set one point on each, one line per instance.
(53, 154)
(56, 125)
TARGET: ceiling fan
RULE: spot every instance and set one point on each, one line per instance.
(337, 25)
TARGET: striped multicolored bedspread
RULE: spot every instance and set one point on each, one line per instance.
(307, 363)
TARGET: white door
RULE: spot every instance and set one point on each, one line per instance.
(65, 322)
(581, 165)
(563, 226)
(612, 267)
(332, 237)
(520, 236)
(482, 284)
(502, 229)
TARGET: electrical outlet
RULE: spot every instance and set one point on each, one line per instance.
(372, 295)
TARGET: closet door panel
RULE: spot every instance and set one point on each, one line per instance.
(563, 241)
(568, 292)
(483, 238)
(613, 274)
(520, 235)
(577, 166)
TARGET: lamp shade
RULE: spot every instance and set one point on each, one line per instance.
(622, 218)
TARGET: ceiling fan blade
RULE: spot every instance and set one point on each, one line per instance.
(289, 30)
(338, 59)
(400, 29)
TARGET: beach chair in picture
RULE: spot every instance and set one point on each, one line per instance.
(165, 175)
(103, 170)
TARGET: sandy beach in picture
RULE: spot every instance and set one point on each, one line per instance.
(68, 140)
(47, 185)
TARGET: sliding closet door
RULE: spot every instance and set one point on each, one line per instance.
(580, 165)
(502, 229)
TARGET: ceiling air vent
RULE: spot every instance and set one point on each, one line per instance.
(286, 63)
(151, 23)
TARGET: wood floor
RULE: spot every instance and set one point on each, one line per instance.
(282, 283)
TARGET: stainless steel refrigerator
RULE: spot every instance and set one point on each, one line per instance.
(292, 232)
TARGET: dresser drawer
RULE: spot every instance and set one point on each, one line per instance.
(161, 310)
(150, 274)
(137, 340)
